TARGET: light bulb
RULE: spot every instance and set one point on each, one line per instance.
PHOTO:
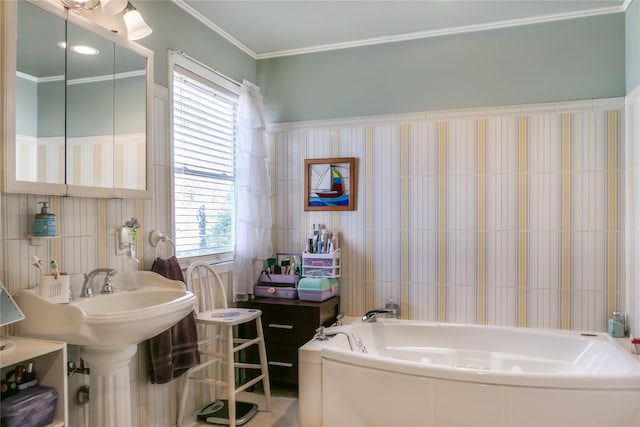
(84, 50)
(136, 27)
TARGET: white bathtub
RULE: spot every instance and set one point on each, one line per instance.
(406, 373)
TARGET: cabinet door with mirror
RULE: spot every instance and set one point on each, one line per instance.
(40, 97)
(81, 106)
(130, 97)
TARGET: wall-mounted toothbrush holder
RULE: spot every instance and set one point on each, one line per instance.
(55, 288)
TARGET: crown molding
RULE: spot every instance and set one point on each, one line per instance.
(584, 105)
(509, 23)
(446, 32)
(206, 21)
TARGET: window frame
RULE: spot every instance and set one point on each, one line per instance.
(179, 59)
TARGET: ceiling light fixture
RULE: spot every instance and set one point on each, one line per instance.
(113, 7)
(135, 25)
(80, 4)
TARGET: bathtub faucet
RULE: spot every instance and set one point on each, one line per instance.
(323, 334)
(391, 309)
(372, 315)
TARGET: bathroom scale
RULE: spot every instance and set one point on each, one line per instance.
(217, 412)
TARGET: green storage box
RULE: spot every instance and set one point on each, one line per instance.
(317, 288)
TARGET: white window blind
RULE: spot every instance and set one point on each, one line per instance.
(204, 134)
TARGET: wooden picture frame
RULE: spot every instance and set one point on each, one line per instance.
(329, 184)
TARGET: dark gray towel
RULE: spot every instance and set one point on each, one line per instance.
(172, 352)
(169, 268)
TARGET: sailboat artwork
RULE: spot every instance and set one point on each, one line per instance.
(330, 190)
(329, 184)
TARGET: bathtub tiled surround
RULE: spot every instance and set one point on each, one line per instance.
(508, 216)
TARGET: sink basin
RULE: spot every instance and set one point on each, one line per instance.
(108, 329)
(107, 320)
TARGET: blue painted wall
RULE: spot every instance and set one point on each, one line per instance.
(175, 29)
(632, 55)
(51, 109)
(558, 61)
(26, 107)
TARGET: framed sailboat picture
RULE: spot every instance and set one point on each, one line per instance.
(329, 184)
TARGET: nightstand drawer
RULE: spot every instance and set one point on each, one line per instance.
(283, 363)
(289, 333)
(287, 316)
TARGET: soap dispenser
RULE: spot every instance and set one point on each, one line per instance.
(131, 264)
(44, 223)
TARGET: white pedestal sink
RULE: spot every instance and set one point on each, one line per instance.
(109, 328)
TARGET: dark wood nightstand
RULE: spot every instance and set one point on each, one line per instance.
(288, 324)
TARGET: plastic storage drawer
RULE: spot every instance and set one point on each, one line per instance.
(277, 286)
(321, 265)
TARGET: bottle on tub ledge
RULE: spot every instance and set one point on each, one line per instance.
(617, 324)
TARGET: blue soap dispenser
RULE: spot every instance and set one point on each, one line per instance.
(44, 223)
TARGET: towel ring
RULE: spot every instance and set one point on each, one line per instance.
(156, 237)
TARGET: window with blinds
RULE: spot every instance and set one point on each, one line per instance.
(204, 131)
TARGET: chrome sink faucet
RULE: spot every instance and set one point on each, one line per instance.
(391, 309)
(107, 286)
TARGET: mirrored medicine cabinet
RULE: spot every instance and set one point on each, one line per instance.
(74, 123)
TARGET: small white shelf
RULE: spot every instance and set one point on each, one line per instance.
(37, 240)
(50, 364)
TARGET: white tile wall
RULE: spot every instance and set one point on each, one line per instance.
(377, 249)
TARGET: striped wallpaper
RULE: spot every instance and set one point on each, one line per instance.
(502, 217)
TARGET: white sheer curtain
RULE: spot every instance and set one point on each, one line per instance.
(253, 192)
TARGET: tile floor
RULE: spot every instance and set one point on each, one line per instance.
(284, 409)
